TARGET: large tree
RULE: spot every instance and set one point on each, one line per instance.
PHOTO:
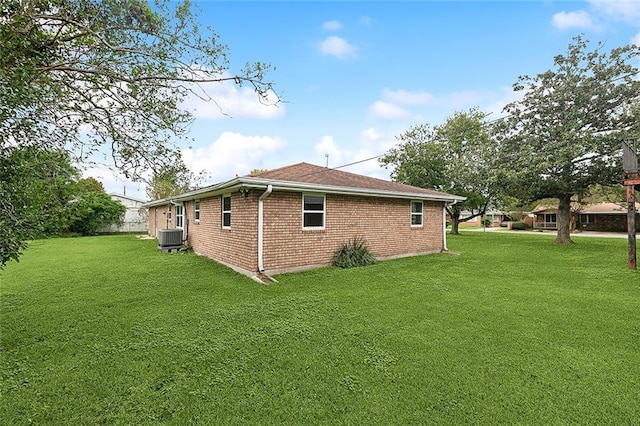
(105, 78)
(457, 157)
(35, 186)
(85, 75)
(171, 179)
(91, 209)
(43, 195)
(565, 134)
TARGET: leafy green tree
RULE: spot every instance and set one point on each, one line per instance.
(172, 179)
(104, 78)
(92, 209)
(565, 134)
(35, 186)
(84, 75)
(456, 157)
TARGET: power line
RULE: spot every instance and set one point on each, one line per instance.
(487, 123)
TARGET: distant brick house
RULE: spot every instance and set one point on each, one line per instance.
(295, 217)
(604, 217)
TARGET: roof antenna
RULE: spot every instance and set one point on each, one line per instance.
(327, 157)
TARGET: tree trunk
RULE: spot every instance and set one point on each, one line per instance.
(454, 225)
(563, 219)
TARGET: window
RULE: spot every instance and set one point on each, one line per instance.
(226, 211)
(313, 211)
(550, 217)
(587, 218)
(416, 213)
(196, 210)
(179, 217)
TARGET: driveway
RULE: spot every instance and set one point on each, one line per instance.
(574, 234)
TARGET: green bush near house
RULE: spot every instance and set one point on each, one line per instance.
(519, 226)
(352, 254)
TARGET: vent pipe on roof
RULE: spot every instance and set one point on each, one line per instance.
(261, 226)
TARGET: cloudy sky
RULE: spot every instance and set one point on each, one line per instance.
(355, 74)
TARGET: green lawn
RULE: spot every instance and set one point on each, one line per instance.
(513, 330)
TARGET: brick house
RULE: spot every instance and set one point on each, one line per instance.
(295, 217)
(604, 217)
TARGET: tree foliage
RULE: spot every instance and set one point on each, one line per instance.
(42, 194)
(91, 208)
(108, 75)
(174, 178)
(565, 134)
(34, 186)
(455, 157)
(102, 81)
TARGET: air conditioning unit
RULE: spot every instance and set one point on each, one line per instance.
(169, 238)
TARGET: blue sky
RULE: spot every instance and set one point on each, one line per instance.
(355, 74)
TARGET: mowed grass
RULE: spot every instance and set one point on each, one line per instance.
(513, 330)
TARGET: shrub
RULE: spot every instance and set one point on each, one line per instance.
(519, 226)
(353, 253)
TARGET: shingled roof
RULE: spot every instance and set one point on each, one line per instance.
(312, 178)
(317, 175)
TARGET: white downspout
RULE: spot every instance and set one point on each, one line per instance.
(261, 225)
(444, 225)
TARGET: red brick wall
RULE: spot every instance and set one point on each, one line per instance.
(384, 224)
(237, 246)
(158, 219)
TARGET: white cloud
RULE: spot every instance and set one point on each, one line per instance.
(370, 134)
(567, 20)
(338, 47)
(225, 99)
(115, 182)
(500, 100)
(404, 97)
(332, 25)
(626, 10)
(387, 111)
(371, 145)
(327, 146)
(636, 39)
(231, 154)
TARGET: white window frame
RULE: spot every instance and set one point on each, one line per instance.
(196, 210)
(419, 214)
(179, 215)
(225, 211)
(323, 211)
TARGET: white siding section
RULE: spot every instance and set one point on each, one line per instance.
(135, 218)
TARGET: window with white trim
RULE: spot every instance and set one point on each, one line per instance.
(179, 217)
(313, 211)
(416, 213)
(226, 211)
(196, 210)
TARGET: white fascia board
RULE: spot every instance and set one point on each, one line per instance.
(279, 185)
(343, 190)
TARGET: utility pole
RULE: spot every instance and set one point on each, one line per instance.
(630, 165)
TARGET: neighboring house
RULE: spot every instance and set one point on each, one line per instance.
(494, 217)
(135, 218)
(604, 217)
(295, 217)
